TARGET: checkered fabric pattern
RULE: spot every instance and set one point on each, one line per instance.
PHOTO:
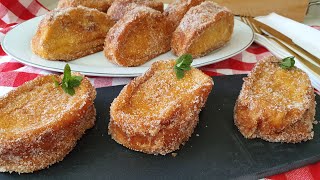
(14, 73)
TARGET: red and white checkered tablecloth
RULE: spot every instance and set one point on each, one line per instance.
(14, 73)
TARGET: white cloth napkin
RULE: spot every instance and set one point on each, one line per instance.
(293, 30)
(303, 35)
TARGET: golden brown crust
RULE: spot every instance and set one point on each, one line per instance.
(120, 7)
(101, 5)
(276, 105)
(204, 28)
(70, 33)
(155, 113)
(177, 9)
(40, 124)
(139, 36)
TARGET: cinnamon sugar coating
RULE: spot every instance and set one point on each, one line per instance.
(177, 9)
(70, 33)
(101, 5)
(204, 28)
(156, 112)
(139, 36)
(120, 7)
(275, 104)
(40, 124)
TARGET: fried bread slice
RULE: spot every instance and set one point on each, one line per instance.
(70, 33)
(40, 124)
(120, 7)
(139, 36)
(177, 9)
(156, 112)
(101, 5)
(275, 104)
(204, 28)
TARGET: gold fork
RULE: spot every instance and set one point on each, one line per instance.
(250, 21)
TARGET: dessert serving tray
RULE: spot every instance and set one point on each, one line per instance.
(216, 149)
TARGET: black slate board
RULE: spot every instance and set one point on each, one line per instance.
(219, 152)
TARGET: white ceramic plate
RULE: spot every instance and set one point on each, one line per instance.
(17, 44)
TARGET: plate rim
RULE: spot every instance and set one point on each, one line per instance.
(106, 74)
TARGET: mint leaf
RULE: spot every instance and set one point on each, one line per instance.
(66, 73)
(183, 63)
(74, 82)
(69, 82)
(179, 73)
(179, 60)
(56, 83)
(287, 62)
(78, 78)
(69, 91)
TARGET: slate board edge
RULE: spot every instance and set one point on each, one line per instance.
(285, 168)
(261, 174)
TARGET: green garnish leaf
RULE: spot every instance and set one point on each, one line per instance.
(287, 62)
(56, 83)
(75, 81)
(66, 73)
(69, 82)
(70, 91)
(78, 78)
(179, 73)
(182, 64)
